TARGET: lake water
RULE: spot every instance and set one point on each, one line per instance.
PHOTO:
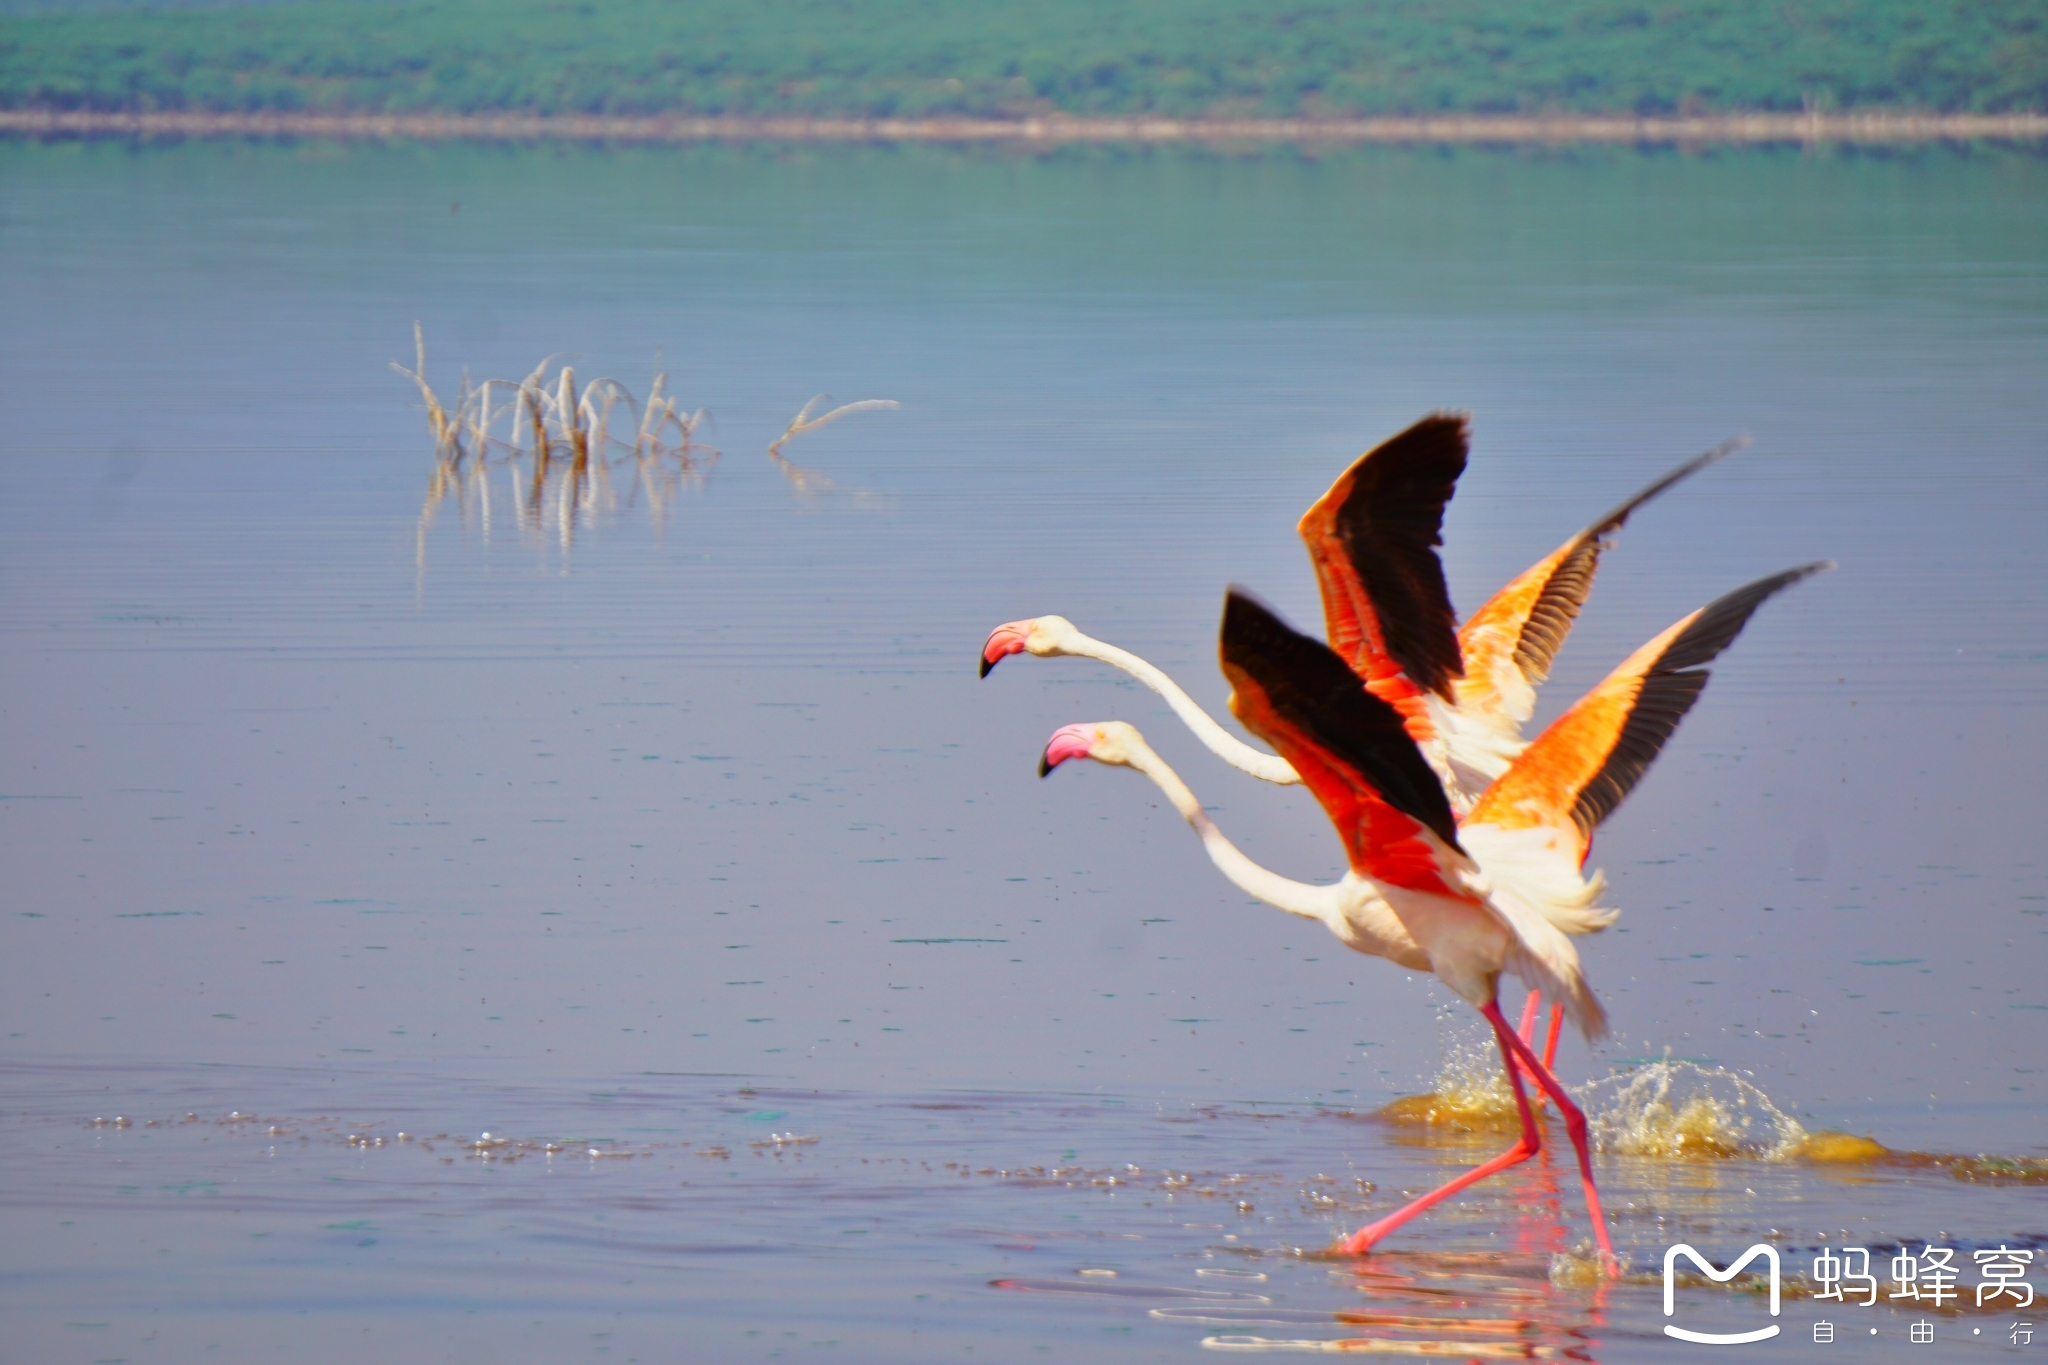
(672, 830)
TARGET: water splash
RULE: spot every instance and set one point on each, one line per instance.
(1681, 1110)
(1671, 1109)
(1470, 1094)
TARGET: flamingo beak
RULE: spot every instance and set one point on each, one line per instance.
(1002, 642)
(1069, 741)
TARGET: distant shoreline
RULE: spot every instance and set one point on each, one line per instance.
(1445, 128)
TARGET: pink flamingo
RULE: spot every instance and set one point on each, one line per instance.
(1463, 692)
(1469, 902)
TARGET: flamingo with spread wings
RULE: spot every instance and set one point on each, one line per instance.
(1502, 891)
(1463, 692)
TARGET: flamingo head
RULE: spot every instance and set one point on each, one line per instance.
(1041, 635)
(1105, 741)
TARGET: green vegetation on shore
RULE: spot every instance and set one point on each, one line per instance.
(984, 58)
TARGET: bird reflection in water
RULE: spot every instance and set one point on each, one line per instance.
(1523, 1304)
(1437, 1305)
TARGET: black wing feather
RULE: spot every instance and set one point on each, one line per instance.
(1550, 619)
(1391, 526)
(1316, 691)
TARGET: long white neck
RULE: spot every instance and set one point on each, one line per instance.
(1226, 746)
(1319, 903)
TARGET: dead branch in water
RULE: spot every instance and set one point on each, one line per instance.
(446, 435)
(565, 438)
(809, 480)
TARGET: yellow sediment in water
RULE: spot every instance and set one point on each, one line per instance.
(1827, 1148)
(1452, 1113)
(1471, 1095)
(1839, 1149)
(1996, 1170)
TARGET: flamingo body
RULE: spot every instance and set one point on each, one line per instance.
(1363, 768)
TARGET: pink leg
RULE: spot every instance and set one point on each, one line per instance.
(1361, 1241)
(1575, 1124)
(1528, 1032)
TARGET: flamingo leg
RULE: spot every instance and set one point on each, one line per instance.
(1528, 1032)
(1574, 1123)
(1362, 1241)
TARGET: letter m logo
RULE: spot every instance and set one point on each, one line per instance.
(1720, 1276)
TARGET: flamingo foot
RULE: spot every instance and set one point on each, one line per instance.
(1526, 1146)
(1363, 1240)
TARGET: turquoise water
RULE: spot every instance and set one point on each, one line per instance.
(576, 830)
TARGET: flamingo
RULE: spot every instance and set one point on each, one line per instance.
(1501, 891)
(1464, 692)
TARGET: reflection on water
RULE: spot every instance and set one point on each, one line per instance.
(715, 859)
(810, 480)
(559, 449)
(764, 1217)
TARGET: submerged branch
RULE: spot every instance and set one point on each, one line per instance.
(809, 480)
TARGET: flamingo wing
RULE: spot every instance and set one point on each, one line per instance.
(1509, 643)
(1373, 538)
(1350, 747)
(1579, 769)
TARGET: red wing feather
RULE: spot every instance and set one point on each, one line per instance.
(1350, 748)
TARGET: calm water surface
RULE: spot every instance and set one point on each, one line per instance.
(675, 833)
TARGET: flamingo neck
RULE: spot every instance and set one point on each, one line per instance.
(1319, 903)
(1226, 746)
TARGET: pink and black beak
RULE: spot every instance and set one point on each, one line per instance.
(1002, 642)
(1069, 741)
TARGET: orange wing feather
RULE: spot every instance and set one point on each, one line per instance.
(1509, 643)
(1580, 768)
